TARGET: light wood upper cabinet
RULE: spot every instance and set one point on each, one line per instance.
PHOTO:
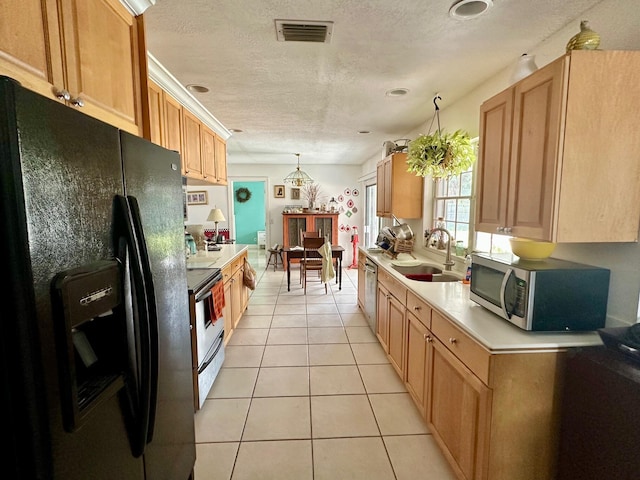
(157, 117)
(192, 159)
(221, 160)
(573, 174)
(399, 192)
(87, 53)
(173, 126)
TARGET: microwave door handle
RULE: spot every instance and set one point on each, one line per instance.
(503, 289)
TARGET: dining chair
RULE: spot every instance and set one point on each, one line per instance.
(307, 234)
(311, 260)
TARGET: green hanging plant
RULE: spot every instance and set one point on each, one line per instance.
(441, 154)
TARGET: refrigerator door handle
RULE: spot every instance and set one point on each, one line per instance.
(152, 316)
(126, 246)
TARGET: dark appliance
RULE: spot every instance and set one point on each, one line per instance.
(544, 295)
(95, 346)
(600, 425)
(207, 330)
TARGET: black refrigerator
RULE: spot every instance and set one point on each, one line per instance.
(94, 329)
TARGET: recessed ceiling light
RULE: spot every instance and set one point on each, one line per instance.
(197, 88)
(236, 130)
(467, 9)
(364, 132)
(397, 92)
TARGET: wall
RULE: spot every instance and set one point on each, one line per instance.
(617, 23)
(334, 181)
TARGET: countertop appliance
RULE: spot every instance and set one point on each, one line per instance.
(95, 343)
(208, 332)
(542, 295)
(370, 290)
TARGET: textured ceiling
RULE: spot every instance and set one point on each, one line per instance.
(313, 98)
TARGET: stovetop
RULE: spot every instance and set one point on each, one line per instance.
(197, 278)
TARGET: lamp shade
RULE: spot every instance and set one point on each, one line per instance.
(215, 215)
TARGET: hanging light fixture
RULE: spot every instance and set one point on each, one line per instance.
(298, 177)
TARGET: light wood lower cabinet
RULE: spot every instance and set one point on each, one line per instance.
(458, 412)
(494, 415)
(382, 314)
(236, 295)
(419, 339)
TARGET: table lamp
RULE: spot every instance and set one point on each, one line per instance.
(215, 216)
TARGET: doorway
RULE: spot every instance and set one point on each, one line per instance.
(249, 210)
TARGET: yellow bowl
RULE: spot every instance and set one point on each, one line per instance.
(530, 249)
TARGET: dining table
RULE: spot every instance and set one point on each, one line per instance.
(298, 252)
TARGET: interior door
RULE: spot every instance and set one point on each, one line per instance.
(250, 214)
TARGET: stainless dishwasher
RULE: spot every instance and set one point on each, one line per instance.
(370, 290)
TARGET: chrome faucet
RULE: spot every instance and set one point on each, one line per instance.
(448, 263)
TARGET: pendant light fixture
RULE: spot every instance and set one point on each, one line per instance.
(298, 177)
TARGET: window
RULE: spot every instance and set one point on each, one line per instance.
(452, 202)
(371, 222)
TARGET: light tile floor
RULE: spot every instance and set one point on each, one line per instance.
(307, 393)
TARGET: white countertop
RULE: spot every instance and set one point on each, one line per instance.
(451, 299)
(219, 259)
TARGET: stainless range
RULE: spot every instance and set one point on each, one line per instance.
(207, 333)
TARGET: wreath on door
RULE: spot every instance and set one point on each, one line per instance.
(243, 194)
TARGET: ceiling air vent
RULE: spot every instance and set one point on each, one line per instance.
(303, 31)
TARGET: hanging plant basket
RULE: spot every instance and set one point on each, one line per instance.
(440, 154)
(243, 195)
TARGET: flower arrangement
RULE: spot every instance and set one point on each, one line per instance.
(441, 154)
(311, 193)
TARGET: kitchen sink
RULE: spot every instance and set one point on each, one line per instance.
(425, 273)
(421, 269)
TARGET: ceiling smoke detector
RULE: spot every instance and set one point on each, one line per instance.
(467, 9)
(303, 31)
(396, 92)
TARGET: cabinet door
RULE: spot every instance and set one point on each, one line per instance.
(101, 42)
(293, 227)
(418, 344)
(227, 311)
(236, 297)
(458, 412)
(191, 144)
(397, 320)
(380, 197)
(156, 113)
(388, 186)
(173, 126)
(382, 317)
(208, 152)
(493, 162)
(30, 44)
(221, 161)
(534, 153)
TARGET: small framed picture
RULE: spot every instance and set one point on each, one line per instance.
(197, 198)
(278, 191)
(295, 194)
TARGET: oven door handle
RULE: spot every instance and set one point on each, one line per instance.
(503, 292)
(208, 361)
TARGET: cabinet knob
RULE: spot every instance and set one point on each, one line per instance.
(62, 94)
(77, 102)
(417, 308)
(428, 338)
(452, 340)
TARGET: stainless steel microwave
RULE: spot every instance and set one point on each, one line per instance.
(545, 295)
